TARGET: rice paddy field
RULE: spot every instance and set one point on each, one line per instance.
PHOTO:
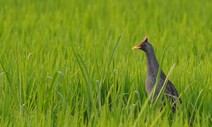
(70, 62)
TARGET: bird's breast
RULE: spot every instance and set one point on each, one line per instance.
(150, 82)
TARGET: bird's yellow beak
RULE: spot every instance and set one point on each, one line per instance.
(137, 47)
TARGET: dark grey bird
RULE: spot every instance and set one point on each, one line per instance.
(170, 91)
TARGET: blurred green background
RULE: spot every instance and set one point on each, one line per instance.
(70, 63)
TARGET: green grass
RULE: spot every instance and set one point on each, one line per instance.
(70, 63)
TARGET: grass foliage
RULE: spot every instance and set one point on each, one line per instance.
(70, 63)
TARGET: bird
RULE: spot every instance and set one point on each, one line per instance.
(170, 92)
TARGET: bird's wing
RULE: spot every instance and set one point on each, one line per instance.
(172, 95)
(171, 91)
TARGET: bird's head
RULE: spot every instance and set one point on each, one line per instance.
(143, 45)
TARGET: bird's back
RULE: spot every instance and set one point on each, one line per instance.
(170, 92)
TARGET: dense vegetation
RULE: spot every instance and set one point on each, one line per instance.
(70, 63)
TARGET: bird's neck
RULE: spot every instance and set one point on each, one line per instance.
(152, 63)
